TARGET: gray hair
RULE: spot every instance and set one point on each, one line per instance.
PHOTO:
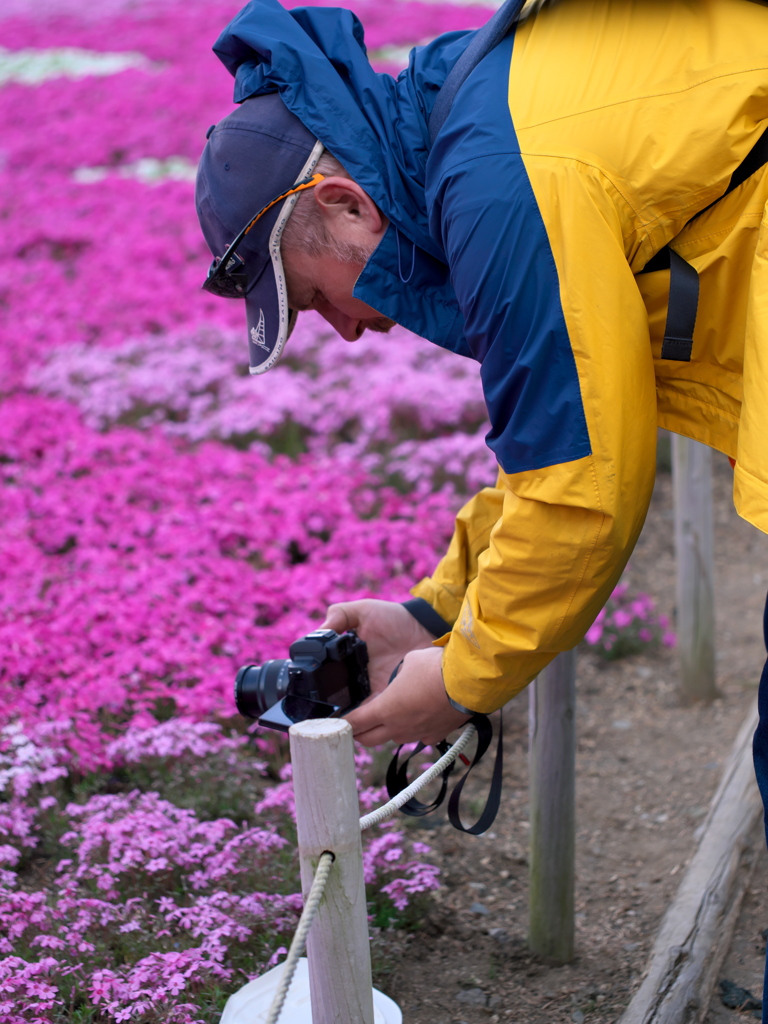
(305, 229)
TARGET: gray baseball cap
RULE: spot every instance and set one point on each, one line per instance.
(256, 163)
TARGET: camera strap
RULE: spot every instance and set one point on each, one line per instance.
(397, 779)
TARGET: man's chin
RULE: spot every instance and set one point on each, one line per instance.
(380, 324)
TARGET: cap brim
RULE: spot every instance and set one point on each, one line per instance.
(270, 321)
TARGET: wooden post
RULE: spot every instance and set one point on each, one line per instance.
(692, 480)
(552, 797)
(328, 818)
(696, 931)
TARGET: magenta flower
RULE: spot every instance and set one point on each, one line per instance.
(594, 633)
(627, 625)
(165, 521)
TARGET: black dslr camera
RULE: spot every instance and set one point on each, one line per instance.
(325, 676)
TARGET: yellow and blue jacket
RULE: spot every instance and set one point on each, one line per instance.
(580, 147)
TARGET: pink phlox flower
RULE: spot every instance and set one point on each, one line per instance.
(144, 832)
(418, 878)
(278, 798)
(376, 851)
(621, 618)
(275, 958)
(47, 942)
(641, 606)
(372, 796)
(9, 855)
(235, 855)
(129, 926)
(176, 983)
(18, 976)
(363, 758)
(143, 563)
(173, 739)
(594, 633)
(157, 864)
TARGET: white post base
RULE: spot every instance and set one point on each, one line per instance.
(250, 1004)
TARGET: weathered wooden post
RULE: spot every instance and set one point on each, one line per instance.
(696, 931)
(552, 800)
(692, 482)
(328, 818)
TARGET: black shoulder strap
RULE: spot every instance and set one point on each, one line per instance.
(682, 306)
(753, 161)
(484, 40)
(684, 279)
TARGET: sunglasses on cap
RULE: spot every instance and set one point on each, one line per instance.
(227, 275)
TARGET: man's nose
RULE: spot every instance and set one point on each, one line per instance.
(350, 328)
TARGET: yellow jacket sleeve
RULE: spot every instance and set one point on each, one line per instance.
(562, 532)
(446, 588)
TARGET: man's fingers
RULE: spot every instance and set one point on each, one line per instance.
(338, 618)
(376, 722)
(365, 717)
(373, 737)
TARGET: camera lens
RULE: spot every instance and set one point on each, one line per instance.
(258, 687)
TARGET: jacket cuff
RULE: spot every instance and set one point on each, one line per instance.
(426, 616)
(435, 624)
(461, 708)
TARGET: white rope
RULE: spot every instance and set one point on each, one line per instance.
(297, 946)
(388, 809)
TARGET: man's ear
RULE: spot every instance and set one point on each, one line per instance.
(344, 204)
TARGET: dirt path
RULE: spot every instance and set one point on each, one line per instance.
(646, 770)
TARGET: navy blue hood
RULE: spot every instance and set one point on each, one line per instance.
(375, 125)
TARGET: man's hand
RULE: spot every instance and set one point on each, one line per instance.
(413, 707)
(389, 630)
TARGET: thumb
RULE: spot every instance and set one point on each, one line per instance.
(340, 617)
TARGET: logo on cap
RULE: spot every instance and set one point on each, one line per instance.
(258, 333)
